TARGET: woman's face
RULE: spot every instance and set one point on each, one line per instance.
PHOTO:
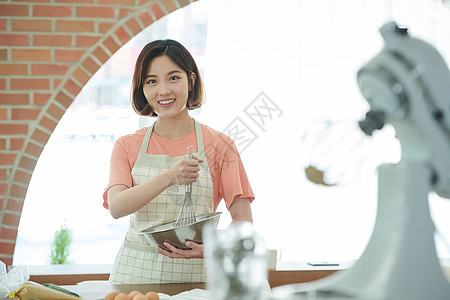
(166, 87)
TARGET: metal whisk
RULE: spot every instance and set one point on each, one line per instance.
(186, 215)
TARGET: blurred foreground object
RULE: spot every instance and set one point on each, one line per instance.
(12, 279)
(407, 85)
(236, 263)
(32, 290)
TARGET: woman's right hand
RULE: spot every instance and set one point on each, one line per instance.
(185, 171)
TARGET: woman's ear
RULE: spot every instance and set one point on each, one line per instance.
(193, 77)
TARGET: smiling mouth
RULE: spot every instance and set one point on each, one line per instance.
(165, 102)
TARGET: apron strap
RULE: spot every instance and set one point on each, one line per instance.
(198, 131)
(146, 140)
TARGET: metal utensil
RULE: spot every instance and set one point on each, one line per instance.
(186, 215)
(178, 236)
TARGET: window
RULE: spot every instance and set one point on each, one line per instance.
(300, 59)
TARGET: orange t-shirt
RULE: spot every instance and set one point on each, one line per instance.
(227, 171)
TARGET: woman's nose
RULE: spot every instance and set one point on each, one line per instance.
(163, 89)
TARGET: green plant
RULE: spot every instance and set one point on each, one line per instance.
(61, 246)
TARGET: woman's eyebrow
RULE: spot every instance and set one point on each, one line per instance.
(174, 71)
(170, 73)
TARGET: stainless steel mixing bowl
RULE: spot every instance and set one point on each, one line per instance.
(178, 236)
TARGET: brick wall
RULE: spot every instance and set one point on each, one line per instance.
(48, 50)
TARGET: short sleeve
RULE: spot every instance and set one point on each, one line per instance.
(120, 168)
(227, 170)
(234, 180)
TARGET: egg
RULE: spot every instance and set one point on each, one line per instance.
(122, 296)
(111, 295)
(140, 297)
(152, 296)
(133, 294)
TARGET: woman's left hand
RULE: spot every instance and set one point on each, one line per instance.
(195, 252)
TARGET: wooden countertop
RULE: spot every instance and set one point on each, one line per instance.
(93, 284)
(286, 273)
(90, 281)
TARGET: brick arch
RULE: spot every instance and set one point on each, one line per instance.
(48, 52)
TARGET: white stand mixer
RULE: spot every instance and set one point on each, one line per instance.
(407, 85)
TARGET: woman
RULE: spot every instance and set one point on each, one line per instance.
(149, 168)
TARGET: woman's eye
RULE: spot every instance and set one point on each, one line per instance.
(151, 81)
(173, 78)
